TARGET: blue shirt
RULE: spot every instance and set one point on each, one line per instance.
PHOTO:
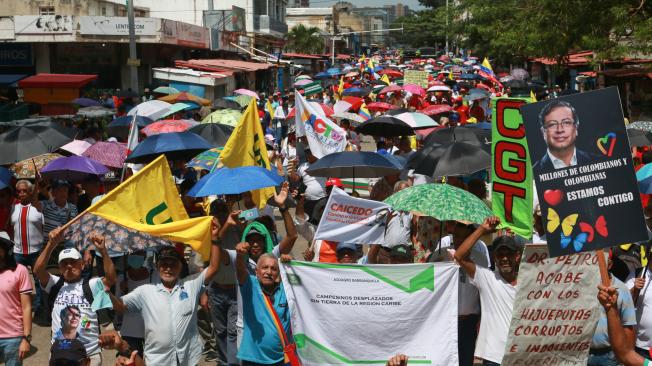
(626, 310)
(260, 339)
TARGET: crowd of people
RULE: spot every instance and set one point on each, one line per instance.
(170, 308)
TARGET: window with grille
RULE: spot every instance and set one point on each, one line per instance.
(46, 10)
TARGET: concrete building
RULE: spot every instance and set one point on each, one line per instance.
(321, 18)
(299, 4)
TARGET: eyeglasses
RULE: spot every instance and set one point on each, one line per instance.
(564, 124)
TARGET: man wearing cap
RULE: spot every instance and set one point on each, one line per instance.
(70, 290)
(57, 211)
(349, 253)
(497, 289)
(169, 307)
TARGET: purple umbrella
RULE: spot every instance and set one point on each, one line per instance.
(111, 154)
(86, 102)
(73, 168)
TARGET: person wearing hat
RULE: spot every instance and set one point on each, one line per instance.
(169, 307)
(348, 253)
(16, 305)
(69, 289)
(497, 289)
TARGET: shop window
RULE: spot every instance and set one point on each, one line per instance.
(103, 11)
(46, 10)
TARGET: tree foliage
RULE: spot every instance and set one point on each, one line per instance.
(304, 40)
(425, 28)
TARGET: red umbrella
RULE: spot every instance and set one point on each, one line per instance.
(328, 111)
(414, 89)
(390, 73)
(354, 101)
(390, 89)
(380, 106)
(168, 125)
(111, 154)
(436, 109)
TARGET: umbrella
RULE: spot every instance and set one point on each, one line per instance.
(303, 82)
(246, 92)
(356, 164)
(391, 89)
(436, 88)
(224, 116)
(379, 82)
(76, 147)
(477, 93)
(25, 169)
(390, 73)
(95, 112)
(226, 104)
(417, 120)
(235, 181)
(6, 176)
(451, 159)
(350, 116)
(185, 97)
(73, 168)
(169, 125)
(640, 125)
(302, 77)
(470, 77)
(385, 126)
(380, 106)
(328, 111)
(644, 178)
(639, 138)
(322, 75)
(475, 136)
(520, 74)
(351, 74)
(111, 154)
(334, 71)
(342, 106)
(119, 127)
(152, 109)
(355, 102)
(414, 89)
(441, 201)
(397, 111)
(356, 92)
(166, 90)
(242, 100)
(28, 140)
(174, 145)
(216, 134)
(206, 160)
(86, 102)
(434, 109)
(178, 107)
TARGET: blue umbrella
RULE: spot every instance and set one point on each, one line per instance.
(322, 75)
(378, 68)
(5, 177)
(86, 102)
(174, 145)
(356, 92)
(644, 178)
(73, 168)
(235, 181)
(333, 71)
(353, 164)
(469, 76)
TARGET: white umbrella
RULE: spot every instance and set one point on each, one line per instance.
(341, 106)
(436, 88)
(153, 109)
(350, 116)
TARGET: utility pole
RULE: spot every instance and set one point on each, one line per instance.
(133, 61)
(446, 27)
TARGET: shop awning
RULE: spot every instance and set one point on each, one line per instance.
(8, 79)
(300, 55)
(218, 65)
(56, 81)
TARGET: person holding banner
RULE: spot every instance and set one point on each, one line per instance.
(497, 289)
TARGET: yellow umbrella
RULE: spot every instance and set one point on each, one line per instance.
(185, 97)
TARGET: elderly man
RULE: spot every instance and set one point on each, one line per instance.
(169, 308)
(70, 290)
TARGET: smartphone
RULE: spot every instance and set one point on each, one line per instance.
(249, 215)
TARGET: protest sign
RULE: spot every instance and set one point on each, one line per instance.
(363, 315)
(555, 310)
(582, 167)
(353, 220)
(511, 193)
(323, 135)
(417, 77)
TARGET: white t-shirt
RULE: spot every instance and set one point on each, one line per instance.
(643, 313)
(28, 229)
(314, 185)
(72, 295)
(418, 179)
(399, 229)
(497, 300)
(468, 297)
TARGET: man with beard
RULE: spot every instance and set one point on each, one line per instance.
(497, 290)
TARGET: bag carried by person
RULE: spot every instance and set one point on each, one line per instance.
(289, 349)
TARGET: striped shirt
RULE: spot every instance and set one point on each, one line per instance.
(55, 216)
(28, 229)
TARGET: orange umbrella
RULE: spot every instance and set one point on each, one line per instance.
(185, 97)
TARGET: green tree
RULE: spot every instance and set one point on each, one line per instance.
(304, 40)
(425, 28)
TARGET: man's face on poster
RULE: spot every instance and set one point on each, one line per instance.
(559, 129)
(71, 320)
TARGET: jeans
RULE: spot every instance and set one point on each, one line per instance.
(224, 311)
(9, 351)
(467, 332)
(604, 359)
(28, 261)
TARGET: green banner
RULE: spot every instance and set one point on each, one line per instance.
(511, 168)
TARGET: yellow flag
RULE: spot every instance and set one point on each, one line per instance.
(450, 75)
(149, 202)
(246, 147)
(532, 96)
(385, 79)
(340, 89)
(270, 109)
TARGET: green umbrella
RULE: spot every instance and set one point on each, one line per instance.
(166, 90)
(229, 117)
(175, 108)
(441, 201)
(243, 100)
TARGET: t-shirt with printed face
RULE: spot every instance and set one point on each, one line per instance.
(72, 316)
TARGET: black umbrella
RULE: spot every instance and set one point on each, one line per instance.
(226, 104)
(378, 82)
(639, 138)
(477, 136)
(353, 164)
(31, 139)
(385, 126)
(450, 159)
(394, 112)
(215, 133)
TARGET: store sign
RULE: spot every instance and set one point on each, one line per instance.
(43, 24)
(192, 35)
(15, 54)
(7, 28)
(118, 26)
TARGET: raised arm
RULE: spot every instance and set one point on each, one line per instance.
(620, 343)
(40, 267)
(216, 252)
(288, 241)
(463, 252)
(242, 252)
(109, 269)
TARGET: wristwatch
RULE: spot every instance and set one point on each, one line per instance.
(28, 338)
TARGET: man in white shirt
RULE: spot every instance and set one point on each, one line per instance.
(315, 186)
(497, 290)
(641, 290)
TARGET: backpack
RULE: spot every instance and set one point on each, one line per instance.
(88, 295)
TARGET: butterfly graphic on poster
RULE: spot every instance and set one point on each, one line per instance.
(554, 222)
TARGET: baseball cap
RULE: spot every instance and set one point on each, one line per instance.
(70, 253)
(401, 251)
(507, 241)
(334, 182)
(345, 246)
(169, 253)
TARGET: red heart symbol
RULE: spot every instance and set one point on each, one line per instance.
(601, 226)
(553, 196)
(587, 228)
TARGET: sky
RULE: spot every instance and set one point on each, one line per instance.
(413, 4)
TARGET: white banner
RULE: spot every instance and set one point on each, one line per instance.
(118, 26)
(43, 24)
(363, 315)
(324, 136)
(555, 310)
(352, 220)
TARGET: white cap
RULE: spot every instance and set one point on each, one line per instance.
(70, 253)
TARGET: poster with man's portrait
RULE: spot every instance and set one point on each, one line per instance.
(582, 168)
